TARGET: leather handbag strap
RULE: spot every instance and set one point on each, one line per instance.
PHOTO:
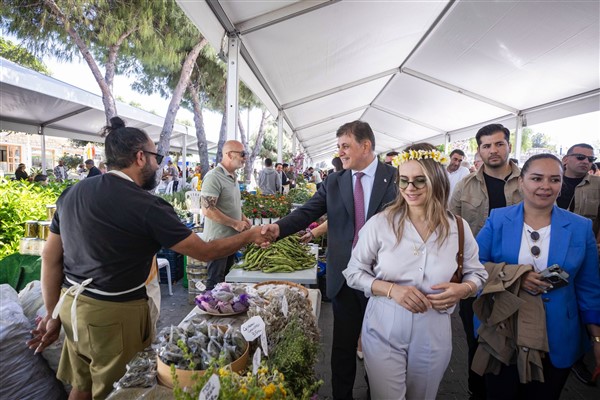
(457, 278)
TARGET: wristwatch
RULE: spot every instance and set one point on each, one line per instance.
(595, 339)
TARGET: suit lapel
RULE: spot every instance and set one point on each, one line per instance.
(560, 238)
(380, 186)
(512, 230)
(345, 184)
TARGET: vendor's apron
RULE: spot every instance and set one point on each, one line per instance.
(75, 291)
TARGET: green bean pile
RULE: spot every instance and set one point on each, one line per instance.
(285, 255)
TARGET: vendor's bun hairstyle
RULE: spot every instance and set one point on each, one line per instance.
(122, 143)
(436, 203)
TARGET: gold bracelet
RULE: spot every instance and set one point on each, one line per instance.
(470, 290)
(390, 290)
(595, 339)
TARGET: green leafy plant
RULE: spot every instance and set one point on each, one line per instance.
(299, 195)
(295, 355)
(22, 201)
(260, 206)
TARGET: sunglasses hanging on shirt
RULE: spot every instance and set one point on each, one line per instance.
(535, 250)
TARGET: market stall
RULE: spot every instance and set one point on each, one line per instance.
(279, 327)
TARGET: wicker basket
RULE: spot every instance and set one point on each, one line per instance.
(163, 371)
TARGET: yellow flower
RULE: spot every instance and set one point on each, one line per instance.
(270, 390)
(405, 156)
(223, 372)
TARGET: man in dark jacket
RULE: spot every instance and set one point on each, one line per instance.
(92, 169)
(362, 173)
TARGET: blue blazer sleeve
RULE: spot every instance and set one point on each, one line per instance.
(485, 238)
(587, 280)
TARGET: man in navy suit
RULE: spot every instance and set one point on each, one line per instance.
(335, 197)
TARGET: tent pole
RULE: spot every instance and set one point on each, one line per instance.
(280, 137)
(446, 142)
(232, 86)
(294, 144)
(518, 136)
(41, 132)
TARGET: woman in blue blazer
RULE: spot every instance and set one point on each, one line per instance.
(538, 233)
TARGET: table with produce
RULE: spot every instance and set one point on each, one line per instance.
(287, 259)
(245, 341)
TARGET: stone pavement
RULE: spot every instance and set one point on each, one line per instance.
(453, 387)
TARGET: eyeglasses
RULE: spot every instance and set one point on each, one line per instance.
(418, 183)
(535, 250)
(159, 157)
(582, 157)
(242, 154)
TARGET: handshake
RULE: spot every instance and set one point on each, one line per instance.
(264, 235)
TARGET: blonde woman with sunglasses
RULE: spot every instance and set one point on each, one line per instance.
(404, 261)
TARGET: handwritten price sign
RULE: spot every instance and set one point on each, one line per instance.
(211, 390)
(253, 328)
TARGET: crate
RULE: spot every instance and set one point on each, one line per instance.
(176, 263)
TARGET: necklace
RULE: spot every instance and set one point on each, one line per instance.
(417, 250)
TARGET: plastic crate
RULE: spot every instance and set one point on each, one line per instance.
(175, 261)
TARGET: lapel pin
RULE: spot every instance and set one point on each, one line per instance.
(385, 180)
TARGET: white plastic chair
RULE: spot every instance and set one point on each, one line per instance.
(193, 204)
(164, 263)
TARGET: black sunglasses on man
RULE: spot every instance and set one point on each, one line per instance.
(159, 157)
(581, 157)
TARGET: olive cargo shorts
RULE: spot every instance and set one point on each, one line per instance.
(110, 334)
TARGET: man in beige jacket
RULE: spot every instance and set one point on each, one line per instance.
(494, 185)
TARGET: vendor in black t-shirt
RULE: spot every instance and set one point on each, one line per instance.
(103, 238)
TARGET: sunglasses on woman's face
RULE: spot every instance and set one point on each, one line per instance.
(418, 183)
(581, 157)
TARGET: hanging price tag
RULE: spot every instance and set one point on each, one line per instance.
(200, 286)
(284, 306)
(256, 361)
(211, 390)
(264, 344)
(253, 328)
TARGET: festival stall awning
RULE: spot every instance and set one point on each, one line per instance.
(30, 100)
(415, 70)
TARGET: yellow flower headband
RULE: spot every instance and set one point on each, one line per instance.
(405, 156)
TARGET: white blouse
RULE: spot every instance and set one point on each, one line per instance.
(411, 262)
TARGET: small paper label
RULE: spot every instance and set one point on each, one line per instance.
(284, 306)
(200, 286)
(264, 344)
(256, 361)
(211, 390)
(253, 328)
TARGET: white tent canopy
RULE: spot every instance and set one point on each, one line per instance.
(415, 70)
(31, 101)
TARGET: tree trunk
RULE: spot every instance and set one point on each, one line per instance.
(200, 133)
(257, 145)
(222, 135)
(244, 140)
(110, 108)
(184, 79)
